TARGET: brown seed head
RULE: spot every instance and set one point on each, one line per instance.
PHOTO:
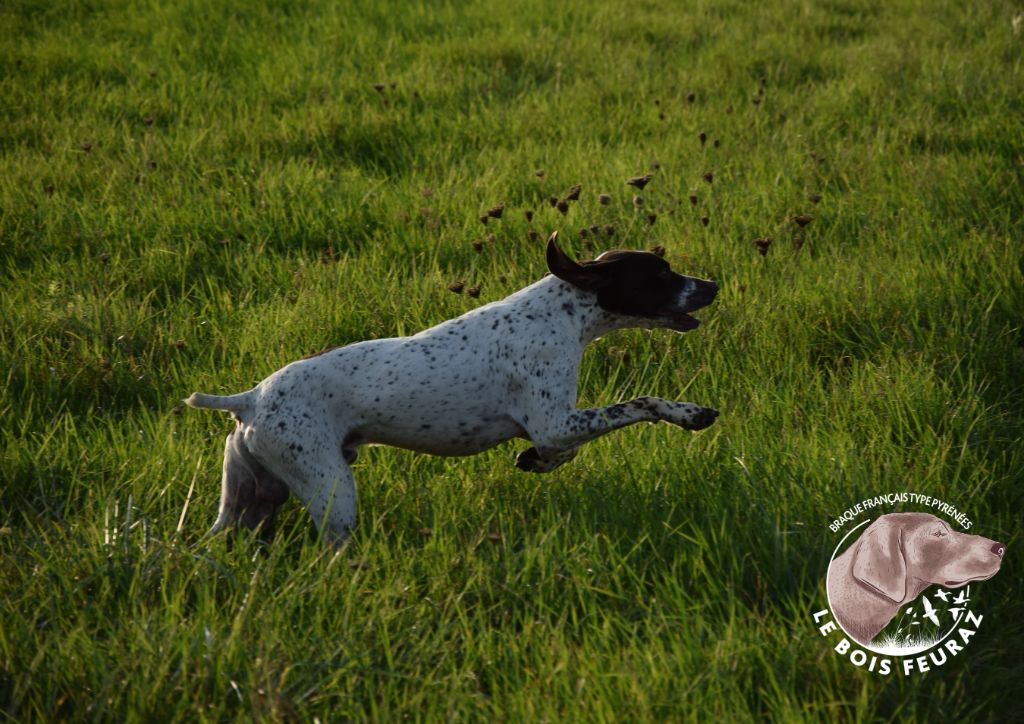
(539, 173)
(705, 220)
(534, 235)
(638, 201)
(484, 218)
(529, 215)
(814, 198)
(703, 138)
(762, 245)
(553, 200)
(495, 212)
(457, 287)
(691, 97)
(693, 199)
(584, 232)
(563, 206)
(574, 193)
(604, 199)
(709, 177)
(478, 246)
(658, 251)
(802, 220)
(609, 230)
(179, 344)
(640, 181)
(474, 291)
(651, 218)
(328, 255)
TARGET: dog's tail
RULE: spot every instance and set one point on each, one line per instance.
(239, 404)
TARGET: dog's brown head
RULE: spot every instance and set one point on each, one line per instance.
(902, 553)
(636, 284)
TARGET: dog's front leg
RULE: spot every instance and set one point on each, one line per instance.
(556, 438)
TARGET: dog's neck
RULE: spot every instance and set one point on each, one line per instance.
(580, 307)
(865, 606)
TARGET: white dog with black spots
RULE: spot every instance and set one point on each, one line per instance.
(505, 370)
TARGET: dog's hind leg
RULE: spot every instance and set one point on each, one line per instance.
(238, 484)
(314, 467)
(250, 495)
(327, 488)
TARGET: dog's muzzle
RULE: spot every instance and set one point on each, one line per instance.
(701, 295)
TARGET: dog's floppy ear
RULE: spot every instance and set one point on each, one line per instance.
(589, 278)
(878, 561)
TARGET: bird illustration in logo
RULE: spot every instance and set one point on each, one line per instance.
(929, 610)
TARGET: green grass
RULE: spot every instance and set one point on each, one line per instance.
(248, 197)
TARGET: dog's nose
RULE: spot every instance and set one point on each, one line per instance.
(707, 291)
(999, 549)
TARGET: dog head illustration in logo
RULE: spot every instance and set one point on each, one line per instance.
(894, 560)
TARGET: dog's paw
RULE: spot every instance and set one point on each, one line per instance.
(530, 461)
(701, 418)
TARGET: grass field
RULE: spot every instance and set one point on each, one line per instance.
(193, 194)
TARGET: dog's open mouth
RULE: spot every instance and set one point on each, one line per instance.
(972, 579)
(683, 322)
